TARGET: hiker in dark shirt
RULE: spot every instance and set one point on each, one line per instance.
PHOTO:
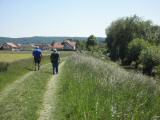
(37, 54)
(55, 59)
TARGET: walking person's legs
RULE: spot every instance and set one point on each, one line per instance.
(57, 68)
(36, 63)
(38, 66)
(53, 66)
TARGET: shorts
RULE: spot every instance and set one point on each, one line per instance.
(37, 60)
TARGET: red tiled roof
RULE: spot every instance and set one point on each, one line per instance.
(58, 46)
(12, 45)
(73, 44)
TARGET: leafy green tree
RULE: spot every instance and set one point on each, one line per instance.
(150, 58)
(135, 47)
(91, 42)
(153, 34)
(81, 45)
(123, 31)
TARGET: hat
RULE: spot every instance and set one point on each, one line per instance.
(36, 47)
(55, 50)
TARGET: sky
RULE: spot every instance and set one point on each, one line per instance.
(26, 18)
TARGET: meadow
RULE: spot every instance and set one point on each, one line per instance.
(22, 89)
(14, 56)
(16, 65)
(87, 88)
(91, 89)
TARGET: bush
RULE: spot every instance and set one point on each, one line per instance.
(140, 67)
(150, 58)
(3, 66)
(135, 47)
(157, 70)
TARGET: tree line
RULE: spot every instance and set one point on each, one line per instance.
(132, 41)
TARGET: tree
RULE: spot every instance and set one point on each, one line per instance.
(135, 47)
(81, 45)
(122, 31)
(150, 58)
(91, 42)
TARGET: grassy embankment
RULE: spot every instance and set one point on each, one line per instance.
(23, 100)
(91, 89)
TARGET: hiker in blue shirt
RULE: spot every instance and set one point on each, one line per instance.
(37, 54)
(55, 60)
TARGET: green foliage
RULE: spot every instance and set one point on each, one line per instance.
(90, 89)
(124, 30)
(150, 58)
(135, 47)
(153, 34)
(81, 45)
(91, 42)
(157, 71)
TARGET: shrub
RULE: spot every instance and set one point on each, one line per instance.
(91, 42)
(4, 66)
(135, 47)
(150, 58)
(157, 70)
(140, 67)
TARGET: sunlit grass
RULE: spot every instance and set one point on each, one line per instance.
(19, 67)
(13, 56)
(91, 89)
(24, 100)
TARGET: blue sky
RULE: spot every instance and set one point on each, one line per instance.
(25, 18)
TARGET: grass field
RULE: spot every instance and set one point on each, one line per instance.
(24, 99)
(19, 64)
(22, 89)
(91, 89)
(16, 69)
(13, 56)
(87, 88)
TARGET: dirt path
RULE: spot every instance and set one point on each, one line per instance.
(4, 93)
(49, 98)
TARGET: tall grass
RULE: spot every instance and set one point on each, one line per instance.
(90, 89)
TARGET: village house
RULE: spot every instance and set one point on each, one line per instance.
(58, 46)
(65, 45)
(69, 45)
(43, 46)
(11, 46)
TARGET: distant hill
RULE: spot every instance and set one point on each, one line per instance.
(41, 39)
